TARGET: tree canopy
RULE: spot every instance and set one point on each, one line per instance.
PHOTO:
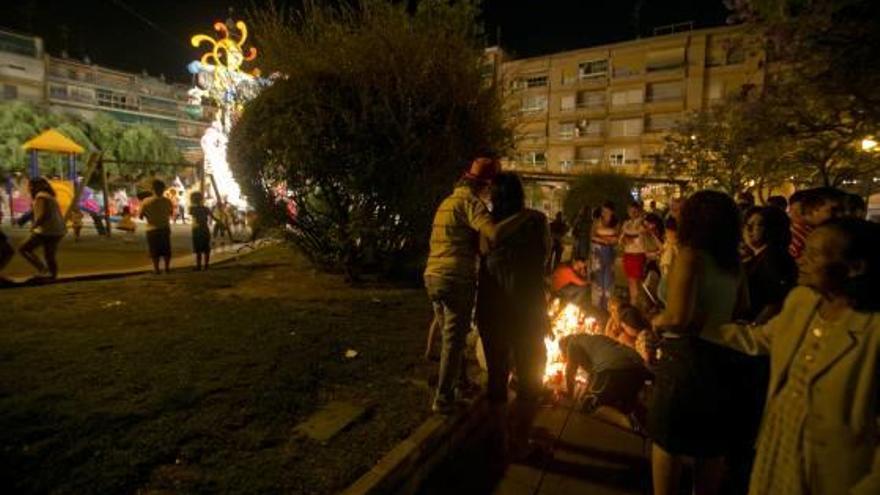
(373, 115)
(20, 121)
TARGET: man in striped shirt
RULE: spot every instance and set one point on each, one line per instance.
(451, 272)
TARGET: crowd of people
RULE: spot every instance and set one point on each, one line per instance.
(158, 209)
(746, 342)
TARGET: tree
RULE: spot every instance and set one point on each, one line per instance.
(726, 147)
(376, 115)
(20, 121)
(827, 53)
(594, 189)
(832, 45)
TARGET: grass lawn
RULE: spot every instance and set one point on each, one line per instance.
(194, 382)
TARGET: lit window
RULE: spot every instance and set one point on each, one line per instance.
(626, 127)
(592, 69)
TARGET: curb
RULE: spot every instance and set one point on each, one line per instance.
(233, 253)
(405, 468)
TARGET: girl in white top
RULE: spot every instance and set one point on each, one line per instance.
(47, 229)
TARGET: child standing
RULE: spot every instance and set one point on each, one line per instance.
(201, 234)
(76, 222)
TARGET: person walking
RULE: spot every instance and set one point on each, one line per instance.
(687, 409)
(157, 210)
(604, 238)
(201, 233)
(451, 271)
(511, 311)
(632, 237)
(820, 427)
(47, 229)
(558, 229)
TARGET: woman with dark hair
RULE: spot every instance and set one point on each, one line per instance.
(770, 269)
(604, 236)
(687, 408)
(47, 229)
(820, 427)
(511, 310)
(770, 274)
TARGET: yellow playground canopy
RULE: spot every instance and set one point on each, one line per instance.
(53, 141)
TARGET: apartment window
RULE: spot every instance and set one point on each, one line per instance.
(665, 60)
(593, 69)
(566, 130)
(534, 103)
(530, 82)
(533, 158)
(590, 99)
(662, 121)
(627, 97)
(626, 70)
(567, 103)
(665, 91)
(57, 91)
(533, 135)
(588, 155)
(626, 127)
(10, 92)
(86, 95)
(624, 156)
(566, 164)
(588, 128)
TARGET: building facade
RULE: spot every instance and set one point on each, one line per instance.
(67, 85)
(608, 107)
(22, 67)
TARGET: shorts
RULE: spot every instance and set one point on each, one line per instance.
(159, 242)
(634, 265)
(201, 240)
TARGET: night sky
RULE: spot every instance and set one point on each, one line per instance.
(136, 35)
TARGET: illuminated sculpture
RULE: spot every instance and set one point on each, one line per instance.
(220, 79)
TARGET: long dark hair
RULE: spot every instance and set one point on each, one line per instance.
(777, 226)
(40, 184)
(710, 223)
(508, 197)
(862, 238)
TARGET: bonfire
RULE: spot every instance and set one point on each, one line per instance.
(564, 320)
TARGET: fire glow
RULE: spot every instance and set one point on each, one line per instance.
(569, 320)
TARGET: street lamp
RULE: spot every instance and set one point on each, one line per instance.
(869, 144)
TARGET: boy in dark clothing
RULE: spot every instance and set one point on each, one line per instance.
(617, 372)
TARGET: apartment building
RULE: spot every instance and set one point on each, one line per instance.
(78, 86)
(608, 107)
(75, 86)
(22, 67)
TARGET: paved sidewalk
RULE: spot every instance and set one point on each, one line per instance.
(588, 456)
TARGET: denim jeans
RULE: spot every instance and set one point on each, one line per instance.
(455, 301)
(603, 275)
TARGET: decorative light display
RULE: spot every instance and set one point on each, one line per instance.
(219, 78)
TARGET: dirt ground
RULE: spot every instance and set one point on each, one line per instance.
(194, 382)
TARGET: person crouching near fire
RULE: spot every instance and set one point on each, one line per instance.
(617, 374)
(569, 282)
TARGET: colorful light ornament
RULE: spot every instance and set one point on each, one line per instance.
(220, 79)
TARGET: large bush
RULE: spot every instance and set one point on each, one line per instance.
(372, 118)
(591, 190)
